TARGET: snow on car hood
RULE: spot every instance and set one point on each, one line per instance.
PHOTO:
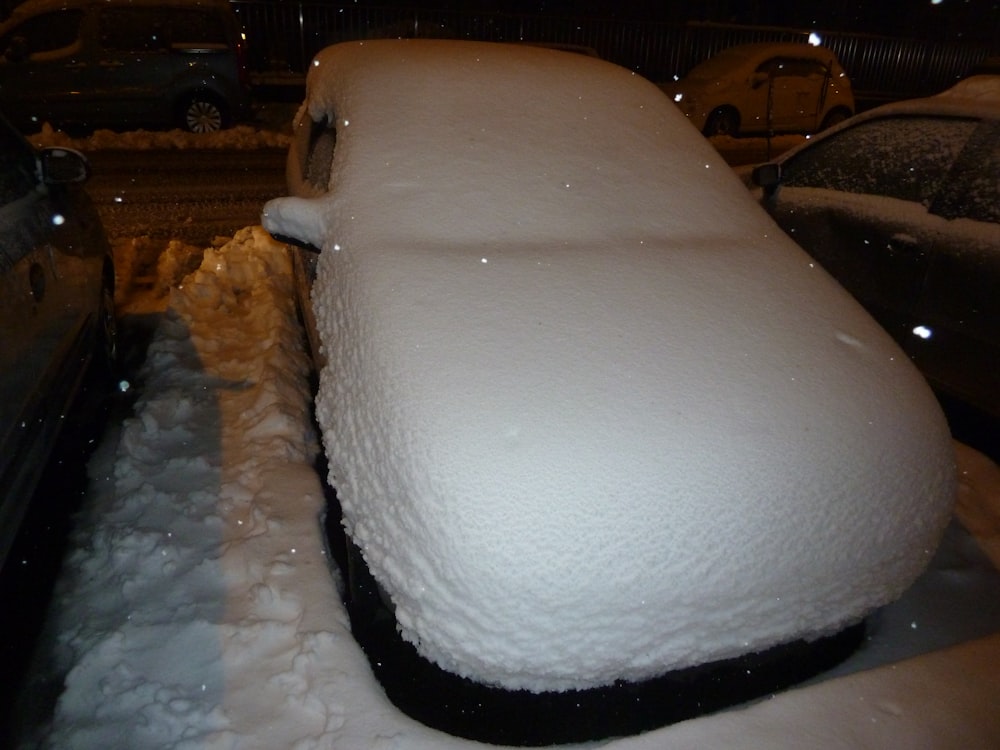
(590, 414)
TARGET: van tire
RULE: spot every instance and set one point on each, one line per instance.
(203, 113)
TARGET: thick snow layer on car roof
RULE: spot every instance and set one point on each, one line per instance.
(570, 362)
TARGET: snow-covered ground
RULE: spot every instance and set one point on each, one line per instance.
(199, 608)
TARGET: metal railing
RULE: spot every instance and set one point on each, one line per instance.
(284, 36)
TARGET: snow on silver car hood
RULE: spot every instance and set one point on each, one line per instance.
(590, 414)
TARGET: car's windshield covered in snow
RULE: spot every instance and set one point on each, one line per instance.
(945, 163)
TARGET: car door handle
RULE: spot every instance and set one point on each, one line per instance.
(111, 63)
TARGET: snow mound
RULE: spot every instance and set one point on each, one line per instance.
(590, 414)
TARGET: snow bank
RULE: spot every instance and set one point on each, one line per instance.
(590, 414)
(240, 137)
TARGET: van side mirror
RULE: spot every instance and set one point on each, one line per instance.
(59, 166)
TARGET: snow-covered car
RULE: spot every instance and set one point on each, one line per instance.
(57, 305)
(592, 418)
(902, 206)
(765, 88)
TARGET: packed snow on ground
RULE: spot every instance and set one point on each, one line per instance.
(239, 137)
(199, 608)
(561, 376)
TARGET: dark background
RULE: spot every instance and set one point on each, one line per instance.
(951, 20)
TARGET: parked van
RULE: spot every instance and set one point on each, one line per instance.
(174, 63)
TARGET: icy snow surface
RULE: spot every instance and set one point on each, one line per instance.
(199, 611)
(590, 414)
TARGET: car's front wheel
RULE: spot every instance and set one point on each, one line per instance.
(722, 121)
(834, 117)
(203, 113)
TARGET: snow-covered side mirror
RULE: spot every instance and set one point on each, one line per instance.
(295, 221)
(58, 166)
(288, 240)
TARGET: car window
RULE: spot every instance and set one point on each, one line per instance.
(319, 159)
(972, 190)
(898, 157)
(46, 32)
(132, 29)
(786, 66)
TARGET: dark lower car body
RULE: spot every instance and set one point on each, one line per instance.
(57, 307)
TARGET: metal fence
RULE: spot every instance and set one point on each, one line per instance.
(284, 36)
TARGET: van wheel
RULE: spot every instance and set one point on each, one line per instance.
(203, 113)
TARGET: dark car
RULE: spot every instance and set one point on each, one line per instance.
(142, 62)
(57, 302)
(902, 205)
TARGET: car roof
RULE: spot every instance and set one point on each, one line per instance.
(977, 96)
(758, 51)
(751, 55)
(514, 141)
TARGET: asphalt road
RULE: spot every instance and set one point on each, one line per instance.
(190, 195)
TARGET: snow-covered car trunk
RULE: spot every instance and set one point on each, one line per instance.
(591, 416)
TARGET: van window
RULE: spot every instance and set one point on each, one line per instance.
(196, 26)
(132, 29)
(46, 32)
